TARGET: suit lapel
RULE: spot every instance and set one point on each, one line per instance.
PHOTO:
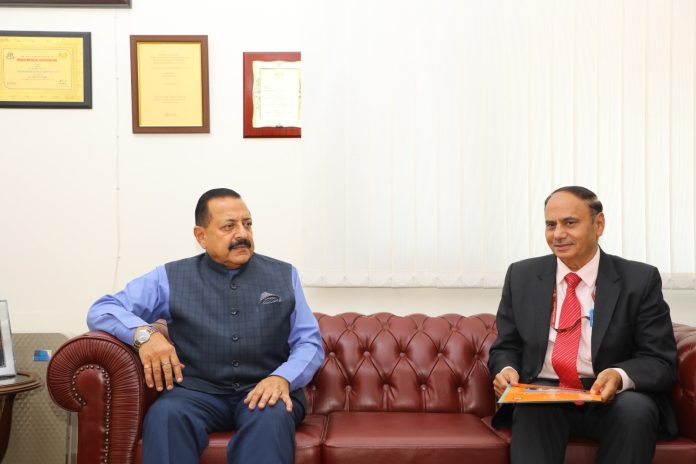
(542, 299)
(606, 296)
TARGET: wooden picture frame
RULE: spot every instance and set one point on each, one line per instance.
(41, 69)
(77, 3)
(253, 90)
(7, 358)
(169, 84)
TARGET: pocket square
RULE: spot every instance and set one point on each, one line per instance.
(268, 298)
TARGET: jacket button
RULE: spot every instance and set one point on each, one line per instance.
(235, 363)
(235, 337)
(234, 312)
(236, 385)
(233, 286)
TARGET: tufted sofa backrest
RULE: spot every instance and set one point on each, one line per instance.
(384, 362)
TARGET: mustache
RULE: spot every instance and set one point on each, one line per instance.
(240, 242)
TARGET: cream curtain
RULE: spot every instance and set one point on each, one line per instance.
(481, 109)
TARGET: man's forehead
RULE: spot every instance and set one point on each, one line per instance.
(229, 208)
(550, 218)
(237, 214)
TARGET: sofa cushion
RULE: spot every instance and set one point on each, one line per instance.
(307, 443)
(411, 437)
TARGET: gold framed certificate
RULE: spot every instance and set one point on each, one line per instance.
(169, 83)
(80, 3)
(45, 69)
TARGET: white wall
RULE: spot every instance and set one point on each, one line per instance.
(82, 197)
(85, 205)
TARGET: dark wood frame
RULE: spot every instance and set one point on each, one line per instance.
(203, 40)
(78, 3)
(249, 130)
(86, 71)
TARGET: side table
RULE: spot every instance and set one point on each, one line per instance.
(9, 387)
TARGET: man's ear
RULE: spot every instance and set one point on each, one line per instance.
(599, 224)
(199, 233)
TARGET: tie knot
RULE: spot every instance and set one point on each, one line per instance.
(572, 279)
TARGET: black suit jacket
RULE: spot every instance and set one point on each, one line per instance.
(632, 329)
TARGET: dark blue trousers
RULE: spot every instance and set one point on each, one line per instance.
(177, 425)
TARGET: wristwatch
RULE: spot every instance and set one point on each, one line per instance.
(142, 335)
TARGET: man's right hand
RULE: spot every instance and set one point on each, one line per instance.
(160, 362)
(504, 378)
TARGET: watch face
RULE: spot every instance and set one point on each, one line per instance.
(142, 336)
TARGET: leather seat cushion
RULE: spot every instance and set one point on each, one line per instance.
(411, 437)
(307, 449)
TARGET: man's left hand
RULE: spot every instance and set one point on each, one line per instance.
(269, 391)
(607, 383)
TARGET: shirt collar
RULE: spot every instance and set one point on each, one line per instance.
(588, 273)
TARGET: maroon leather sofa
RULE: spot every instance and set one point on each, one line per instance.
(406, 389)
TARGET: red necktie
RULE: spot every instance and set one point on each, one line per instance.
(565, 351)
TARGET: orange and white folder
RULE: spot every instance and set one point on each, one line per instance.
(528, 393)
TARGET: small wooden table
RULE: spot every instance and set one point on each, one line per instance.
(9, 387)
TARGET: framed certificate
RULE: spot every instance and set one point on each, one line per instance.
(169, 83)
(45, 69)
(272, 94)
(109, 3)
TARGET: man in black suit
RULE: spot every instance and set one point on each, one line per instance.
(623, 348)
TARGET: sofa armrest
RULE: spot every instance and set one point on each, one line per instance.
(101, 378)
(684, 394)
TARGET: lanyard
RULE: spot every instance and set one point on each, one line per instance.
(552, 322)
